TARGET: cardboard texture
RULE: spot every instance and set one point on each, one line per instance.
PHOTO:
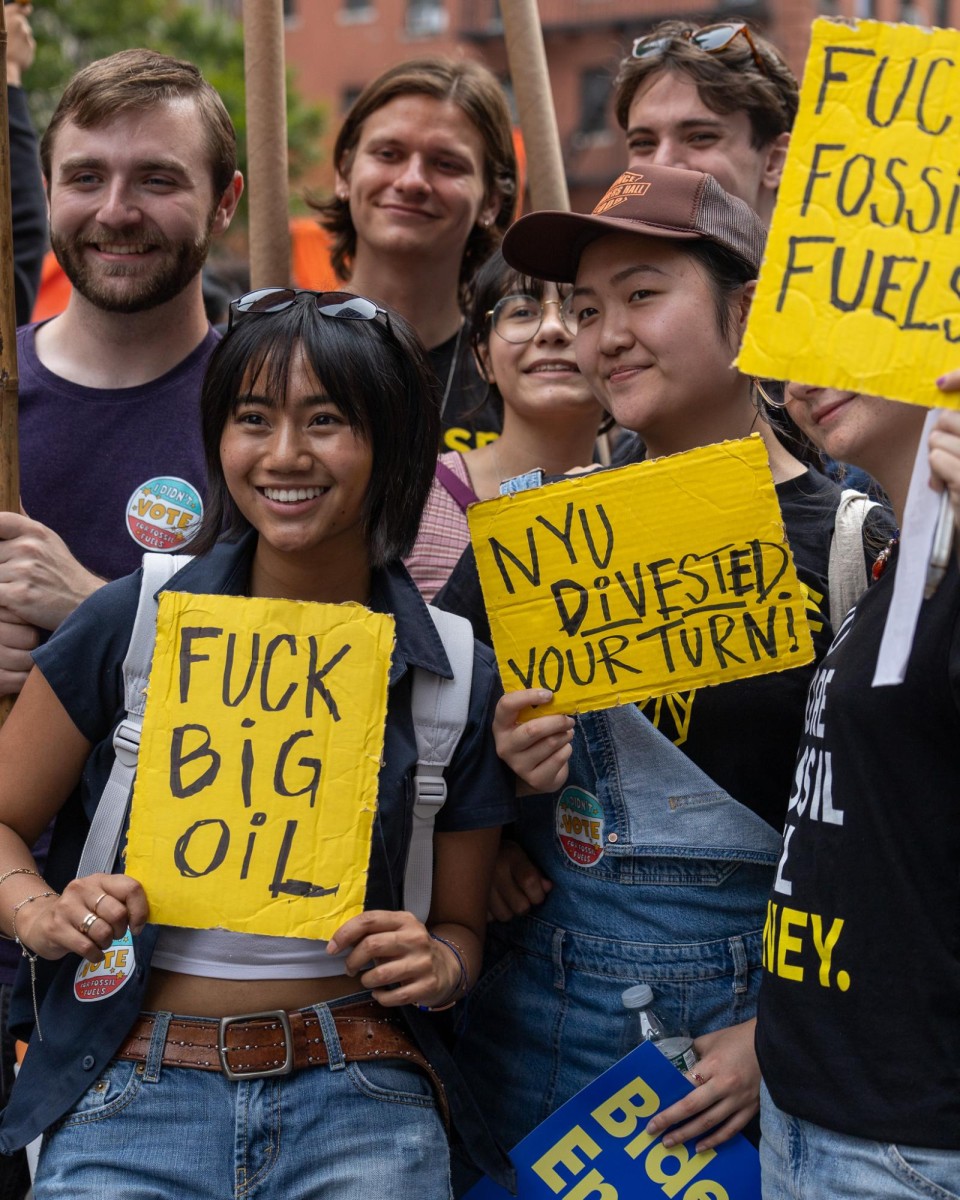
(651, 579)
(256, 789)
(860, 286)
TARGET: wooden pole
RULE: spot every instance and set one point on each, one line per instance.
(538, 120)
(267, 180)
(9, 378)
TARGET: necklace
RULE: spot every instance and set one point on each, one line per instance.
(880, 565)
(452, 370)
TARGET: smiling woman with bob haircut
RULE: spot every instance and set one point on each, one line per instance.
(320, 435)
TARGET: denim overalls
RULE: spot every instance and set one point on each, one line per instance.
(660, 877)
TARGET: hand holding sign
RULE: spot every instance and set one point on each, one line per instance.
(727, 1095)
(536, 751)
(257, 785)
(60, 925)
(410, 966)
(641, 582)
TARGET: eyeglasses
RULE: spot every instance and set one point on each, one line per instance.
(712, 39)
(518, 318)
(773, 392)
(344, 306)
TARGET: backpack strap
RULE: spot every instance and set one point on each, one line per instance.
(462, 493)
(439, 708)
(847, 571)
(103, 840)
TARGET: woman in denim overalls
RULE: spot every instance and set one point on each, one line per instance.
(632, 863)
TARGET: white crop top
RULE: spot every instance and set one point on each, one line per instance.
(221, 954)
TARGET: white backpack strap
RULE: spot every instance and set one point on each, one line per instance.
(439, 708)
(100, 848)
(847, 572)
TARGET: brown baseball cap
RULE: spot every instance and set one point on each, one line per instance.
(664, 202)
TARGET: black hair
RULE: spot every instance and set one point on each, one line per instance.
(375, 372)
(495, 279)
(726, 273)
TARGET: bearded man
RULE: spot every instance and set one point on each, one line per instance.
(140, 170)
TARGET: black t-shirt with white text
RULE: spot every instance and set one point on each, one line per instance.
(859, 1020)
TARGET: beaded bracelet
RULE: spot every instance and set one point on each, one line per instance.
(29, 954)
(462, 985)
(18, 871)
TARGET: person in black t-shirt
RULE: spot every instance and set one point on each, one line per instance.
(425, 188)
(662, 284)
(859, 1015)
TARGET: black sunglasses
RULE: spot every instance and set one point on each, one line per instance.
(343, 306)
(712, 39)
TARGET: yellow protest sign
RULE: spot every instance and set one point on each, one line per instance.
(860, 286)
(256, 787)
(668, 575)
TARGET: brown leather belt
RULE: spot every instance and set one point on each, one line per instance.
(260, 1045)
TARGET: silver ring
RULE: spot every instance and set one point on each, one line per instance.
(87, 922)
(102, 896)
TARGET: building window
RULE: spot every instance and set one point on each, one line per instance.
(348, 97)
(427, 18)
(595, 93)
(356, 12)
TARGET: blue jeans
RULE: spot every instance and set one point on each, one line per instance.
(800, 1161)
(659, 877)
(347, 1131)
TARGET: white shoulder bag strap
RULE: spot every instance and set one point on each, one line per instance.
(439, 708)
(100, 848)
(847, 572)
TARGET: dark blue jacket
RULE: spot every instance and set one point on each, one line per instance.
(82, 663)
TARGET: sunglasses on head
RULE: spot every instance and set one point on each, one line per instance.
(343, 306)
(711, 39)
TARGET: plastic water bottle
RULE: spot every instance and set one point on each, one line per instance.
(643, 1025)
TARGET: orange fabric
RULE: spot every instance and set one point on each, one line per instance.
(521, 152)
(311, 256)
(54, 290)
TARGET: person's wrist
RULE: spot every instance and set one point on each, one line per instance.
(459, 988)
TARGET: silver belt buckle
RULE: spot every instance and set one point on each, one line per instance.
(277, 1015)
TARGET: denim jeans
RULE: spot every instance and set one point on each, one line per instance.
(667, 886)
(801, 1161)
(347, 1131)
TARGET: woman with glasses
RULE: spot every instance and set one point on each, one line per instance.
(686, 793)
(521, 331)
(289, 1067)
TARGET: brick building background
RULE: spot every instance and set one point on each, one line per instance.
(335, 47)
